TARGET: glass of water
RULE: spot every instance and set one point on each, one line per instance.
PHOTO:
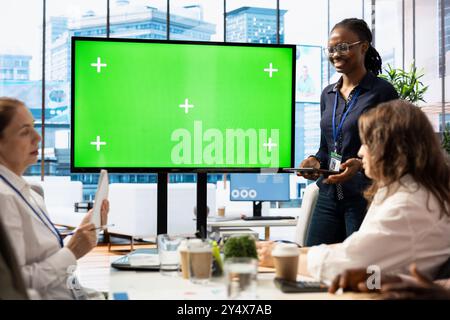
(169, 257)
(241, 278)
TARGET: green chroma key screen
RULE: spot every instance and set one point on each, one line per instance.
(181, 105)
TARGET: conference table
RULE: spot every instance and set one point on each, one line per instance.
(151, 285)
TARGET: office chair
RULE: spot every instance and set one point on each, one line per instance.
(12, 284)
(306, 210)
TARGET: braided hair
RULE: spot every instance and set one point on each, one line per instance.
(372, 60)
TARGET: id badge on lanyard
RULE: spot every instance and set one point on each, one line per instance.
(335, 161)
(335, 157)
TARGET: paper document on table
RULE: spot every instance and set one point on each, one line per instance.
(100, 195)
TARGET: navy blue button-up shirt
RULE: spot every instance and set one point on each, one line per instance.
(373, 90)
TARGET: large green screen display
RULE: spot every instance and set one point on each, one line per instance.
(181, 105)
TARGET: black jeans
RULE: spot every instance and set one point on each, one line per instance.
(334, 220)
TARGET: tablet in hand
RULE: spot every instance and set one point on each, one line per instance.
(322, 172)
(100, 195)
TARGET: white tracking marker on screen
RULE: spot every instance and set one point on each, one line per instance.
(186, 105)
(270, 70)
(98, 65)
(98, 143)
(269, 145)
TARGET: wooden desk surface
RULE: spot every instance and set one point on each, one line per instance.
(94, 272)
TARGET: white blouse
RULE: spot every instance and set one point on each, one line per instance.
(46, 266)
(405, 227)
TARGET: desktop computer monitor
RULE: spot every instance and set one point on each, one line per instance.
(258, 188)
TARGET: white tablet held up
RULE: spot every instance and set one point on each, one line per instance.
(102, 194)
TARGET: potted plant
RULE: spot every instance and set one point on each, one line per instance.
(410, 88)
(407, 83)
(240, 246)
(241, 266)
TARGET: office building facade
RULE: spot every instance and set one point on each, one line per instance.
(255, 25)
(14, 67)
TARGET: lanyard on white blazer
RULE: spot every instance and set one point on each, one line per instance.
(52, 228)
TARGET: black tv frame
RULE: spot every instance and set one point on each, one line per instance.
(147, 170)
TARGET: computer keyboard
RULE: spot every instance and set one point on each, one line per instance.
(267, 218)
(300, 286)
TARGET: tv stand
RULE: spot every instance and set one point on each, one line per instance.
(161, 225)
(202, 208)
(202, 179)
(257, 208)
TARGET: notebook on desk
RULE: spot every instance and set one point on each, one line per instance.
(140, 259)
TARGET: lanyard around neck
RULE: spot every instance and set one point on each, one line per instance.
(337, 131)
(49, 225)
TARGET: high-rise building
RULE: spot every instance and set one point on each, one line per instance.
(126, 22)
(14, 67)
(256, 25)
(56, 28)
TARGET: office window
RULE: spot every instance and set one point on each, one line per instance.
(388, 35)
(446, 57)
(252, 21)
(64, 20)
(200, 20)
(340, 10)
(427, 57)
(446, 71)
(21, 57)
(305, 24)
(302, 22)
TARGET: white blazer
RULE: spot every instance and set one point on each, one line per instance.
(46, 266)
(405, 227)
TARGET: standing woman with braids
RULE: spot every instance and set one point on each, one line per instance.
(341, 206)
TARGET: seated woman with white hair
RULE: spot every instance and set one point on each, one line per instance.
(46, 261)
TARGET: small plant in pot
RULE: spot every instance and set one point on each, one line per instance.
(241, 266)
(240, 246)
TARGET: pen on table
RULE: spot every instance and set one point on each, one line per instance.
(106, 226)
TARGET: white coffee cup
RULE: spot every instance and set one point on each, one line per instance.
(285, 258)
(200, 261)
(183, 249)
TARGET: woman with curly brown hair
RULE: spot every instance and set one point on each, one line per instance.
(409, 216)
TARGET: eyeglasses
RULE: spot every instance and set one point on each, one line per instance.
(341, 48)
